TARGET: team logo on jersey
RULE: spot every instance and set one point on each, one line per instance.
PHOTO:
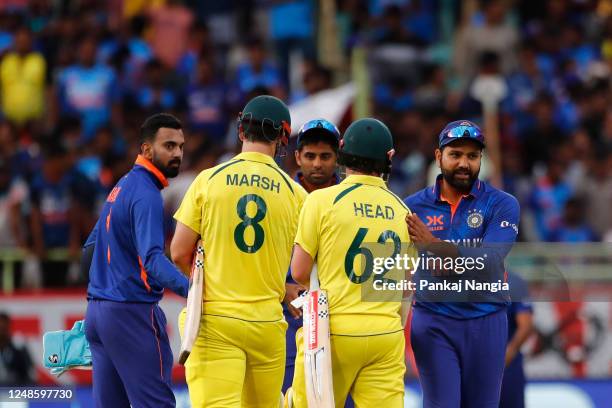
(474, 219)
(435, 222)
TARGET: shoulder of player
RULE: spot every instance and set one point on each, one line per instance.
(418, 197)
(500, 198)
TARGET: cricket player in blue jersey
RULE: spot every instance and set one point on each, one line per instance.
(459, 332)
(125, 327)
(316, 153)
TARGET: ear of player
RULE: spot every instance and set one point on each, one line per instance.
(194, 304)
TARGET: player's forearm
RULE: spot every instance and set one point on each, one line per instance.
(164, 272)
(301, 266)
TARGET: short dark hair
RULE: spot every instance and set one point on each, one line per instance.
(254, 130)
(363, 164)
(152, 124)
(314, 136)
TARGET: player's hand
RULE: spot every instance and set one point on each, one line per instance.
(419, 234)
(511, 353)
(292, 291)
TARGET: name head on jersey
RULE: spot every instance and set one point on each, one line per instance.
(162, 141)
(265, 119)
(367, 147)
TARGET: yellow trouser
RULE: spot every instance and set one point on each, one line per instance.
(236, 363)
(371, 368)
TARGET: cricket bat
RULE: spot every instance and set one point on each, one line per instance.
(317, 350)
(194, 304)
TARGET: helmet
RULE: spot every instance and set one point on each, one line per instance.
(368, 139)
(322, 126)
(271, 114)
(460, 129)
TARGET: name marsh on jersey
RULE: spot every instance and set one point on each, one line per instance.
(253, 180)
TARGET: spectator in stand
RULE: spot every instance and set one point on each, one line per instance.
(170, 38)
(206, 102)
(393, 31)
(495, 34)
(154, 94)
(54, 218)
(127, 52)
(199, 45)
(573, 226)
(292, 29)
(89, 90)
(315, 78)
(16, 367)
(22, 80)
(548, 198)
(258, 71)
(543, 134)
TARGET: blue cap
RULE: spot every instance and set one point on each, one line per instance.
(460, 129)
(320, 124)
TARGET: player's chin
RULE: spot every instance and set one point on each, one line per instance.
(318, 178)
(463, 182)
(172, 171)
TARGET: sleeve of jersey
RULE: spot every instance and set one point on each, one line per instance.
(190, 211)
(147, 216)
(499, 236)
(309, 225)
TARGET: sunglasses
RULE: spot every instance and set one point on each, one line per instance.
(320, 124)
(269, 130)
(465, 131)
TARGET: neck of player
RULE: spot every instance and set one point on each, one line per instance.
(450, 193)
(351, 172)
(259, 147)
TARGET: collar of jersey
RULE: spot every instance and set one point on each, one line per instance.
(258, 157)
(144, 162)
(475, 192)
(364, 179)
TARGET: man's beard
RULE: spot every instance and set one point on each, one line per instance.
(460, 184)
(169, 170)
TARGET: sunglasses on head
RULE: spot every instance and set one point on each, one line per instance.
(465, 131)
(321, 124)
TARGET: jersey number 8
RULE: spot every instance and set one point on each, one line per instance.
(247, 221)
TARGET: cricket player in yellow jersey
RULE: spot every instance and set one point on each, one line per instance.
(367, 338)
(245, 211)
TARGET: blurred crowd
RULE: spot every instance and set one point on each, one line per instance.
(77, 78)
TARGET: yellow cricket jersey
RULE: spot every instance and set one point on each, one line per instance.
(246, 212)
(334, 224)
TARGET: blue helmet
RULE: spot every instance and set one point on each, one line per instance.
(460, 129)
(323, 127)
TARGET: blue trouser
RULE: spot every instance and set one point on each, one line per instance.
(513, 385)
(460, 362)
(132, 359)
(293, 325)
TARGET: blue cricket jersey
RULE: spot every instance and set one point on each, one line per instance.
(129, 263)
(483, 224)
